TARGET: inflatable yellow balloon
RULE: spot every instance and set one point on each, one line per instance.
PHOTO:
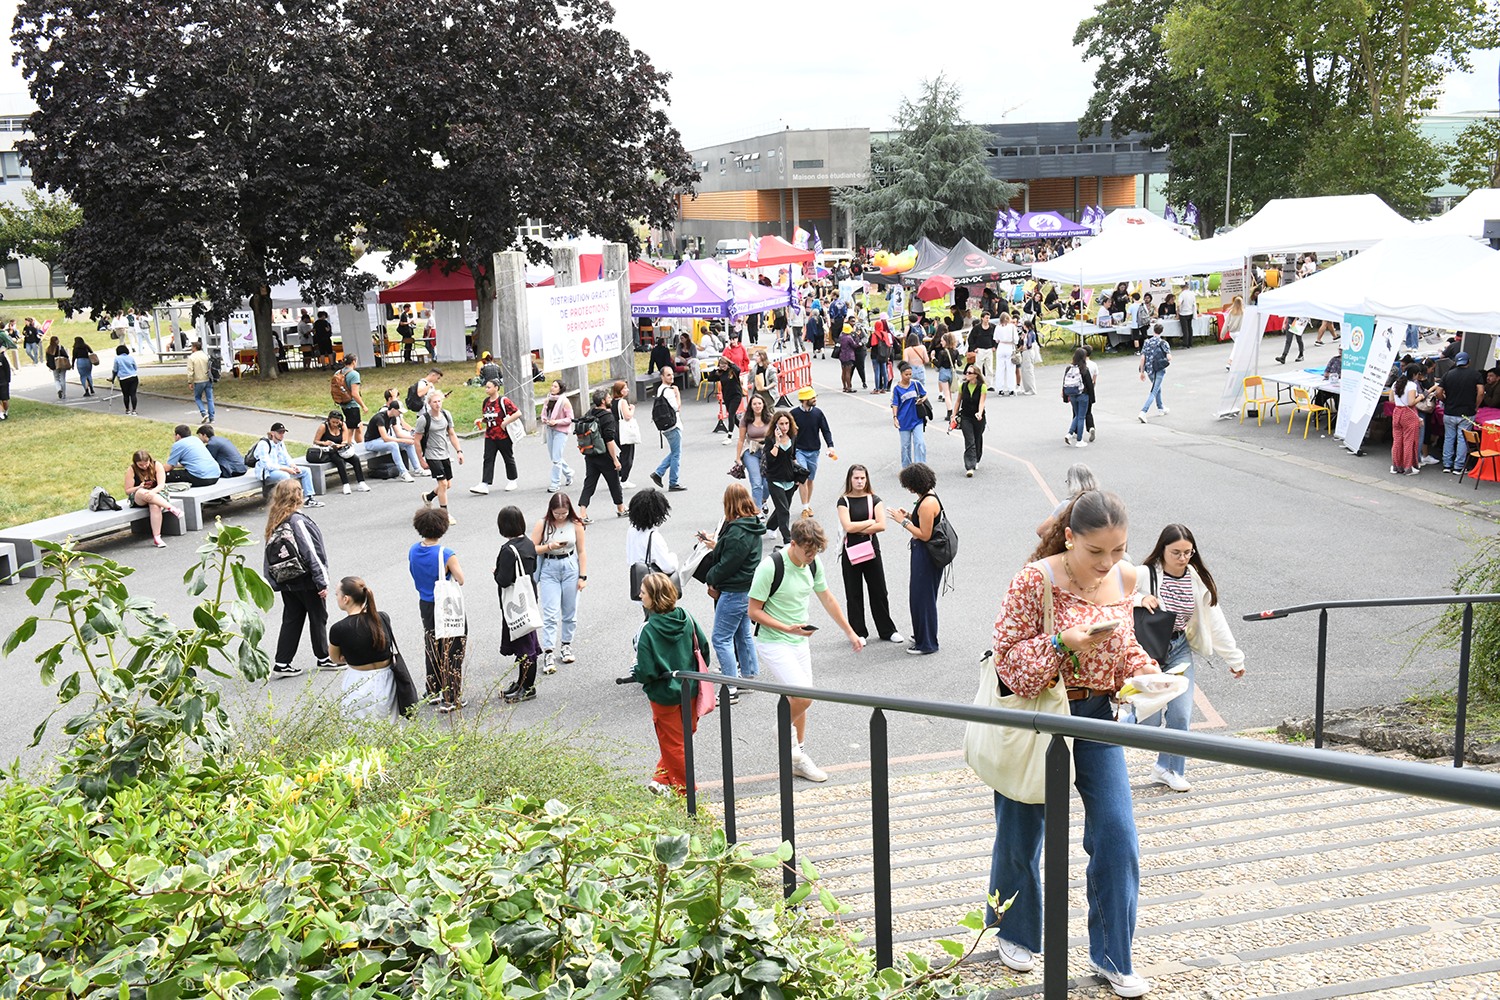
(901, 263)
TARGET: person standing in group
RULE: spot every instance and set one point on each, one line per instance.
(438, 445)
(779, 595)
(971, 418)
(497, 415)
(1005, 362)
(982, 343)
(335, 438)
(862, 516)
(1462, 392)
(1031, 353)
(764, 380)
(273, 464)
(754, 432)
(666, 414)
(815, 329)
(361, 644)
(127, 375)
(557, 428)
(1187, 314)
(926, 576)
(947, 359)
(429, 561)
(1174, 579)
(915, 354)
(83, 362)
(1079, 563)
(5, 373)
(649, 510)
(1155, 357)
(597, 432)
(406, 330)
(61, 364)
(731, 393)
(296, 567)
(623, 410)
(200, 377)
(907, 416)
(845, 350)
(737, 549)
(882, 347)
(1406, 422)
(144, 479)
(563, 561)
(386, 436)
(811, 423)
(669, 641)
(1077, 390)
(861, 330)
(230, 461)
(517, 561)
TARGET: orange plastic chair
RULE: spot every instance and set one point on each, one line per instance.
(1302, 403)
(1481, 455)
(1260, 400)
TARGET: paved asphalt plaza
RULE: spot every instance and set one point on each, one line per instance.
(1279, 521)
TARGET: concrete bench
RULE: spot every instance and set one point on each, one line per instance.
(645, 386)
(8, 563)
(83, 524)
(195, 499)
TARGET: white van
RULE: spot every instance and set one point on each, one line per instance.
(725, 249)
(836, 255)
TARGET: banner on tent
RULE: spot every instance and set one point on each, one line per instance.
(576, 324)
(1369, 349)
(1232, 283)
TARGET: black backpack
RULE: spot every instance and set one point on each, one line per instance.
(663, 413)
(250, 459)
(413, 401)
(284, 562)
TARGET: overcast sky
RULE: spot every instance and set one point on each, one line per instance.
(743, 70)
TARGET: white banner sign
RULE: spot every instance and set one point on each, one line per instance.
(1369, 348)
(576, 324)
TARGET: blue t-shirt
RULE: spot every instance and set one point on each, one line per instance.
(351, 379)
(190, 454)
(426, 562)
(905, 402)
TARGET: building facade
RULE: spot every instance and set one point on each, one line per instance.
(25, 277)
(1062, 171)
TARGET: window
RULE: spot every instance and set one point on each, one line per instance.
(59, 276)
(12, 164)
(807, 164)
(12, 274)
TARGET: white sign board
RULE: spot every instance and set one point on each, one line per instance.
(576, 324)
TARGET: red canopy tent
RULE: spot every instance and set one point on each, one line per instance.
(773, 251)
(430, 284)
(591, 268)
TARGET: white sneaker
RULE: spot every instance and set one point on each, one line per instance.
(803, 767)
(626, 484)
(549, 662)
(1014, 956)
(1141, 416)
(424, 473)
(1081, 444)
(362, 488)
(1069, 440)
(1162, 411)
(728, 440)
(1429, 460)
(1124, 985)
(896, 637)
(407, 478)
(348, 489)
(1173, 780)
(481, 489)
(511, 484)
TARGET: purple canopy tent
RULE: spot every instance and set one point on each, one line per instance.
(705, 289)
(1045, 226)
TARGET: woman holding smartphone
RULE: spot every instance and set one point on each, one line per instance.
(780, 470)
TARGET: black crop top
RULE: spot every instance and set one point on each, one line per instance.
(352, 637)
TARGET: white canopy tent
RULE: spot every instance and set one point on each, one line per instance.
(1129, 250)
(1415, 264)
(1292, 225)
(1460, 299)
(1468, 217)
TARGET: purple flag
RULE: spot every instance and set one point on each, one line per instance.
(1191, 217)
(1001, 221)
(1170, 215)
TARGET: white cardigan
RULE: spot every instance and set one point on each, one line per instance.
(1216, 639)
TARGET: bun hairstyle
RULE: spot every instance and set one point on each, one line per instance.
(1089, 511)
(357, 590)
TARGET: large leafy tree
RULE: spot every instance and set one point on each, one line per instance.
(930, 177)
(215, 147)
(1474, 156)
(37, 227)
(493, 112)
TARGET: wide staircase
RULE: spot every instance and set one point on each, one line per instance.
(1255, 884)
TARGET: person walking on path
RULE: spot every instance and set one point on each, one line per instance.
(623, 410)
(557, 428)
(293, 543)
(344, 387)
(946, 359)
(982, 343)
(926, 576)
(1077, 389)
(670, 640)
(498, 416)
(596, 430)
(1156, 355)
(126, 375)
(971, 418)
(882, 350)
(1173, 578)
(517, 561)
(144, 479)
(561, 576)
(845, 350)
(83, 362)
(1031, 353)
(31, 340)
(779, 597)
(666, 414)
(755, 432)
(907, 416)
(200, 377)
(811, 423)
(736, 553)
(863, 518)
(780, 469)
(438, 445)
(1006, 333)
(731, 393)
(428, 561)
(273, 464)
(61, 364)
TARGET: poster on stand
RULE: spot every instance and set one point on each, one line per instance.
(576, 324)
(1244, 361)
(1369, 348)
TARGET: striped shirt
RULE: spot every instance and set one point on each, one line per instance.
(1176, 594)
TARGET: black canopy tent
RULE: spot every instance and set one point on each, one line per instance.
(928, 254)
(966, 264)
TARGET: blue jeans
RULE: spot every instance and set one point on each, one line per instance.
(1155, 393)
(913, 446)
(85, 374)
(1179, 711)
(673, 461)
(395, 449)
(558, 581)
(1455, 448)
(561, 473)
(882, 374)
(758, 488)
(203, 395)
(274, 476)
(733, 641)
(1079, 427)
(1113, 876)
(34, 352)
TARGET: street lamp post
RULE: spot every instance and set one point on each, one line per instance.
(1229, 172)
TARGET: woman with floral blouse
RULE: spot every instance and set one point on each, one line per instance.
(1080, 560)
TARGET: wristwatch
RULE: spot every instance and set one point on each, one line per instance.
(582, 577)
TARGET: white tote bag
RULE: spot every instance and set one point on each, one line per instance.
(448, 619)
(518, 604)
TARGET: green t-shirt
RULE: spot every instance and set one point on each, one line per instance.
(789, 603)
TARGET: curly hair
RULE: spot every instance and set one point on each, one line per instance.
(649, 509)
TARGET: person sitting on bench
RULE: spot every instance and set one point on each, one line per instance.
(189, 460)
(143, 482)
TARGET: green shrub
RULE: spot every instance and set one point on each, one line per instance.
(1479, 575)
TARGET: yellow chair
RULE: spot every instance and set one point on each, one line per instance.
(1260, 400)
(1302, 403)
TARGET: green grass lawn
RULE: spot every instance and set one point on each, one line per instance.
(65, 330)
(78, 451)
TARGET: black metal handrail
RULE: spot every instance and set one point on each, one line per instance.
(1322, 607)
(1470, 788)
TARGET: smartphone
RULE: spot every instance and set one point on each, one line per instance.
(809, 628)
(1108, 626)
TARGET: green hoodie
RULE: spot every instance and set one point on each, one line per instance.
(664, 645)
(737, 553)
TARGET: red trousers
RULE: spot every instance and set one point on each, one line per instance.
(670, 769)
(1406, 435)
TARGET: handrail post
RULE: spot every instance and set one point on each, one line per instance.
(1055, 877)
(788, 822)
(1322, 676)
(1461, 719)
(689, 698)
(880, 829)
(726, 758)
